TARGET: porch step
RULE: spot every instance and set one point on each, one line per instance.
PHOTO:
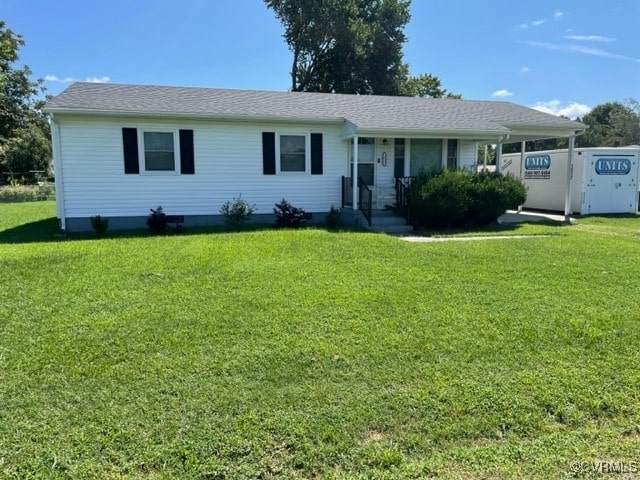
(388, 221)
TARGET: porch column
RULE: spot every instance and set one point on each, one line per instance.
(523, 149)
(498, 155)
(567, 198)
(484, 163)
(355, 172)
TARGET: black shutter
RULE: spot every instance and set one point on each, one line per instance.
(187, 165)
(268, 153)
(130, 146)
(316, 154)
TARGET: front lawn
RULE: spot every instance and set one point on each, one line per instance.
(316, 354)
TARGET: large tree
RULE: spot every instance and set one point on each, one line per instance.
(350, 46)
(627, 121)
(611, 124)
(24, 132)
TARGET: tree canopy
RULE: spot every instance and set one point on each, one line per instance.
(612, 124)
(351, 46)
(24, 131)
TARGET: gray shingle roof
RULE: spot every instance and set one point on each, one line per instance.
(365, 111)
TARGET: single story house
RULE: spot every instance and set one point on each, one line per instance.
(119, 150)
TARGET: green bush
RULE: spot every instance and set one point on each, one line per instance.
(287, 215)
(333, 217)
(440, 199)
(157, 221)
(237, 212)
(457, 198)
(492, 194)
(26, 193)
(99, 224)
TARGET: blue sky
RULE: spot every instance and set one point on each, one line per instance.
(558, 56)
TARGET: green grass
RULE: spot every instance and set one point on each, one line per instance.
(316, 354)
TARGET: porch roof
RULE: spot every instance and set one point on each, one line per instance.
(483, 121)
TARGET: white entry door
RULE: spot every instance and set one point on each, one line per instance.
(385, 188)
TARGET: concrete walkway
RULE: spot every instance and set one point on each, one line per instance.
(466, 239)
(512, 216)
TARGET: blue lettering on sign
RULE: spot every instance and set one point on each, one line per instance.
(613, 166)
(537, 162)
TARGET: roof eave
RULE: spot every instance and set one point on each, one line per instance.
(192, 116)
(471, 134)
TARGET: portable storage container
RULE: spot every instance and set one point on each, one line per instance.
(604, 180)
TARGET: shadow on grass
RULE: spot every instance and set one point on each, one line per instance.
(46, 230)
(492, 229)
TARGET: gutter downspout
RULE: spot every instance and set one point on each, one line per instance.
(57, 171)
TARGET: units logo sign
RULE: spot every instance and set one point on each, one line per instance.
(537, 162)
(537, 167)
(613, 166)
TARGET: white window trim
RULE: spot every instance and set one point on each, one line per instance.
(176, 151)
(307, 153)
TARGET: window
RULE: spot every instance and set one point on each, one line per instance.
(159, 152)
(293, 153)
(425, 156)
(398, 166)
(452, 154)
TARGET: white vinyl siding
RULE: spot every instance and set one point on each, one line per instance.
(228, 162)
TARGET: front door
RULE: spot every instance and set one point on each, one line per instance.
(384, 186)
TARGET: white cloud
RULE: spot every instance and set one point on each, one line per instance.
(573, 48)
(94, 79)
(555, 107)
(54, 78)
(502, 93)
(590, 38)
(557, 15)
(525, 69)
(104, 79)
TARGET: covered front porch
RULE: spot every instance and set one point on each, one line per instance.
(384, 163)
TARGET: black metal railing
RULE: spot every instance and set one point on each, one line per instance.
(347, 191)
(364, 199)
(402, 196)
(365, 196)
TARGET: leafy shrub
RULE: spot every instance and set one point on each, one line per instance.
(26, 193)
(491, 194)
(99, 224)
(287, 215)
(440, 199)
(456, 198)
(333, 217)
(237, 212)
(157, 221)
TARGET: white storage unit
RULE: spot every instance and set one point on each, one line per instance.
(604, 180)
